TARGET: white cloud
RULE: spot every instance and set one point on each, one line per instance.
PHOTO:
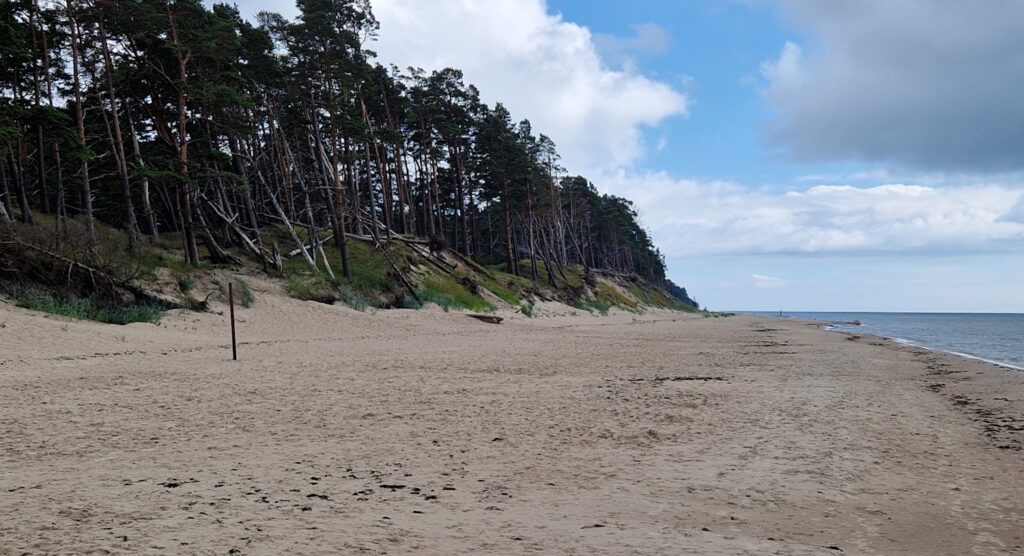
(541, 67)
(648, 39)
(694, 217)
(763, 282)
(785, 75)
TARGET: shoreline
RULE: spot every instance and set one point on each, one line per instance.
(913, 344)
(832, 326)
(431, 432)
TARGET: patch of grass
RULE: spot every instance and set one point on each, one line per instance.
(243, 293)
(87, 308)
(190, 303)
(449, 294)
(641, 295)
(356, 300)
(592, 305)
(186, 283)
(410, 302)
(310, 288)
(612, 295)
(154, 256)
(506, 294)
(369, 268)
(369, 273)
(607, 296)
(575, 275)
(527, 309)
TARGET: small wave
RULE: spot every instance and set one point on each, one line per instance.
(976, 358)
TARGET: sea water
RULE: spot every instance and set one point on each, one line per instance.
(996, 338)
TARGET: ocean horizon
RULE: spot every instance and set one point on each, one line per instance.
(996, 338)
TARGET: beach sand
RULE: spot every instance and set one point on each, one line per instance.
(430, 432)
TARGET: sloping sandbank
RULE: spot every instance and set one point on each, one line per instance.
(430, 432)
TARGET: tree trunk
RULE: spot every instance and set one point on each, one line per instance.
(375, 224)
(341, 239)
(385, 181)
(188, 237)
(248, 205)
(19, 185)
(5, 190)
(80, 120)
(117, 149)
(506, 203)
(44, 190)
(147, 206)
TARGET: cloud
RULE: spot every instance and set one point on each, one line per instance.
(249, 8)
(698, 217)
(763, 282)
(785, 76)
(917, 84)
(540, 66)
(648, 39)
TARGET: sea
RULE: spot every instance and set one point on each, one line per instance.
(992, 337)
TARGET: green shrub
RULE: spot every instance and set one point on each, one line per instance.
(527, 309)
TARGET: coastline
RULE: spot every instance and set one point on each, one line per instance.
(911, 343)
(430, 432)
(839, 325)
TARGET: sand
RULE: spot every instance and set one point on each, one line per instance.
(430, 432)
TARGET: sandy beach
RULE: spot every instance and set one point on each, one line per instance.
(430, 432)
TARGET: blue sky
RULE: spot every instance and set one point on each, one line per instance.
(785, 154)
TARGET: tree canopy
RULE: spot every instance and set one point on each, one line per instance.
(165, 117)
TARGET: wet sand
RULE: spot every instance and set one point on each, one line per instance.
(430, 432)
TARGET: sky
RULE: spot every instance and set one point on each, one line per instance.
(794, 155)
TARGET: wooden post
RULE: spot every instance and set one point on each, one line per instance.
(231, 305)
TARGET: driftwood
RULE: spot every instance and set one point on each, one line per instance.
(309, 247)
(284, 219)
(394, 237)
(278, 263)
(217, 253)
(246, 241)
(327, 264)
(486, 318)
(425, 253)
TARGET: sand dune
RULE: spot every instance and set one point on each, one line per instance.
(430, 432)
